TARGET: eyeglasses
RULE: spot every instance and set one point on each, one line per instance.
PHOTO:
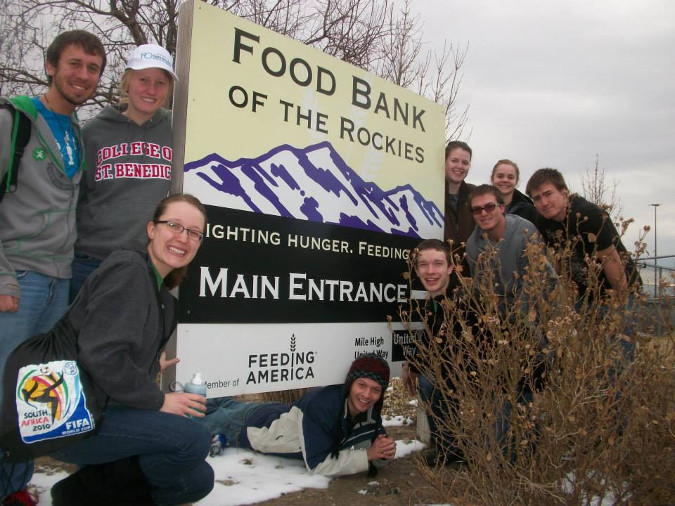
(178, 229)
(488, 208)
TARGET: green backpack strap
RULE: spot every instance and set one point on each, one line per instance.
(20, 138)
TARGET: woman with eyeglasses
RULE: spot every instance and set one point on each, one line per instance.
(505, 176)
(146, 449)
(129, 160)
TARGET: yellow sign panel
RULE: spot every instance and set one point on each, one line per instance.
(252, 90)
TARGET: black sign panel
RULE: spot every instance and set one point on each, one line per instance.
(256, 268)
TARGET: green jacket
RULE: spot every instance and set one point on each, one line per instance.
(37, 221)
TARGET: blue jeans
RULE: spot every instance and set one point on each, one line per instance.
(171, 451)
(14, 477)
(83, 266)
(228, 417)
(42, 302)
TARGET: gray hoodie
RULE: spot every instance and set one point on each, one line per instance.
(37, 221)
(128, 171)
(507, 258)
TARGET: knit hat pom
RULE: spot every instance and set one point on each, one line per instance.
(369, 366)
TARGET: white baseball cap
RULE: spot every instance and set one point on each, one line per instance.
(151, 56)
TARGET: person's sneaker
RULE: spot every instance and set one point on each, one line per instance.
(22, 498)
(454, 457)
(112, 484)
(431, 459)
(218, 444)
(438, 459)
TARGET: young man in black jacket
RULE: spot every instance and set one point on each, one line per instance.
(436, 272)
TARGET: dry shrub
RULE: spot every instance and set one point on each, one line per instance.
(397, 402)
(600, 422)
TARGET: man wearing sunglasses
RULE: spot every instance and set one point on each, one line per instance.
(497, 246)
(499, 252)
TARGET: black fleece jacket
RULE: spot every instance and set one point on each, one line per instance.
(123, 321)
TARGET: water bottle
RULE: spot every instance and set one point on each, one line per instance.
(196, 386)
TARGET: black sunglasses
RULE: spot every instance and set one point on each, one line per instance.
(488, 208)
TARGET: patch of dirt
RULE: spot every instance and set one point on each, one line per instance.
(396, 484)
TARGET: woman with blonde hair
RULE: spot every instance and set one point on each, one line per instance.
(129, 155)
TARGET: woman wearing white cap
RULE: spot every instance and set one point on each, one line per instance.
(129, 153)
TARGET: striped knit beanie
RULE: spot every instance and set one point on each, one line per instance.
(369, 366)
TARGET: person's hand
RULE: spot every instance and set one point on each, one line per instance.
(382, 448)
(9, 304)
(164, 364)
(180, 403)
(409, 380)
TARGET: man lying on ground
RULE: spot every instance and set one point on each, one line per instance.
(336, 430)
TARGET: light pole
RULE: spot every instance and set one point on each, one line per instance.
(656, 282)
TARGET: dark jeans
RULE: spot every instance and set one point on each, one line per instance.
(502, 425)
(83, 266)
(171, 451)
(441, 440)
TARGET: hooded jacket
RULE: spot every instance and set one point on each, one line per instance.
(128, 172)
(122, 321)
(37, 221)
(522, 205)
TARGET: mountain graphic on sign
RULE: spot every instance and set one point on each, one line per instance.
(313, 184)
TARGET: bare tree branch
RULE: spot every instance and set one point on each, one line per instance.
(371, 34)
(596, 188)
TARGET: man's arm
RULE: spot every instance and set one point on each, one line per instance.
(613, 268)
(9, 288)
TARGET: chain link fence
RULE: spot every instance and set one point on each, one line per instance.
(658, 278)
(658, 275)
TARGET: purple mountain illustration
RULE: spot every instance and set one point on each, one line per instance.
(313, 184)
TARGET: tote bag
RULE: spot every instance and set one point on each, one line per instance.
(49, 401)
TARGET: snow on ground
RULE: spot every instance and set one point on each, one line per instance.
(245, 477)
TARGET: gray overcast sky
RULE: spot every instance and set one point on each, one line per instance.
(552, 83)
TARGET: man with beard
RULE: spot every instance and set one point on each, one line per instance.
(37, 211)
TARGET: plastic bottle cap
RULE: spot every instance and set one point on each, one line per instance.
(197, 378)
